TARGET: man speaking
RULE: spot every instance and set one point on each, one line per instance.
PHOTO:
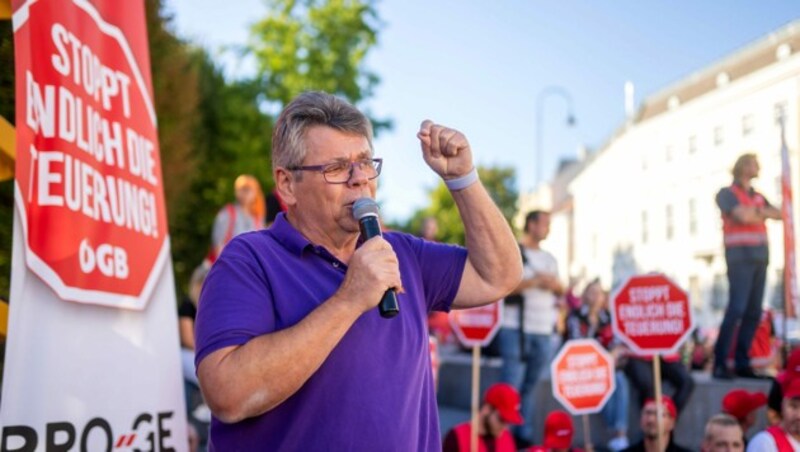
(292, 351)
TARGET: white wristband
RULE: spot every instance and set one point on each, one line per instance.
(462, 182)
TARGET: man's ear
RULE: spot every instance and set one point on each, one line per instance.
(286, 184)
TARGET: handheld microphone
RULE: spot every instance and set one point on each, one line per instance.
(365, 210)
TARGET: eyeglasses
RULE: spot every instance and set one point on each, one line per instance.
(340, 172)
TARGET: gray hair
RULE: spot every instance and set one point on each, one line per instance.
(720, 420)
(313, 108)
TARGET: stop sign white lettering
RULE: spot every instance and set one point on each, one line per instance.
(88, 171)
(651, 314)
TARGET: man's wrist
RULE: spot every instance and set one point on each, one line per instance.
(464, 181)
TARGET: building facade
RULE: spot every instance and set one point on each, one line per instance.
(645, 202)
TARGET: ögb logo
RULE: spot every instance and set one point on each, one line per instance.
(89, 186)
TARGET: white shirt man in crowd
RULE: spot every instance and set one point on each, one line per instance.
(527, 349)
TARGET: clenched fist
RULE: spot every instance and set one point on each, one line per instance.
(445, 150)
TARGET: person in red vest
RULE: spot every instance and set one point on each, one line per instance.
(775, 397)
(744, 212)
(784, 436)
(649, 423)
(500, 409)
(244, 215)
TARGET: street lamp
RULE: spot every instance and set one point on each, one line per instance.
(570, 121)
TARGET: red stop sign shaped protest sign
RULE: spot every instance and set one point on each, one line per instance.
(477, 326)
(88, 172)
(582, 376)
(651, 314)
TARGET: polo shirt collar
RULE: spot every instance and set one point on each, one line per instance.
(288, 236)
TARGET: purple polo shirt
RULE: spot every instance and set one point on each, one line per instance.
(375, 390)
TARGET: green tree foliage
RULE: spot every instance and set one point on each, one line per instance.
(233, 138)
(501, 184)
(306, 45)
(212, 129)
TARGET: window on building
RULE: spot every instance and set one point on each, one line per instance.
(719, 136)
(747, 125)
(692, 144)
(670, 228)
(692, 217)
(644, 227)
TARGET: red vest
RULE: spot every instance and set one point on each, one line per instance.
(504, 443)
(738, 234)
(781, 440)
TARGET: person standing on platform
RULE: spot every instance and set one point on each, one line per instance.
(744, 211)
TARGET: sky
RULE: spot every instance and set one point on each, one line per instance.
(479, 66)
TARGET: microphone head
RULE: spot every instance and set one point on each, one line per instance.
(365, 207)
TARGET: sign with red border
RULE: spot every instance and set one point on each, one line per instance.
(88, 172)
(651, 314)
(582, 375)
(477, 326)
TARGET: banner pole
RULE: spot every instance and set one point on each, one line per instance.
(659, 405)
(587, 434)
(789, 255)
(476, 376)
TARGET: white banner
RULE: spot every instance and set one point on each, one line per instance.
(87, 377)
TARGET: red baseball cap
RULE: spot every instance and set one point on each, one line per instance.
(558, 430)
(793, 363)
(791, 389)
(668, 404)
(739, 403)
(505, 399)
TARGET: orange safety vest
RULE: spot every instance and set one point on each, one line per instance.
(504, 443)
(738, 234)
(781, 440)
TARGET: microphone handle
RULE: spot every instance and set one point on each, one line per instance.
(388, 307)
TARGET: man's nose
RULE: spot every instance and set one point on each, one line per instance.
(357, 175)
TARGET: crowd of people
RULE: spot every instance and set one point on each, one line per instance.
(727, 430)
(285, 322)
(541, 313)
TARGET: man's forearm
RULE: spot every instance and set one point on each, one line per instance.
(492, 249)
(773, 213)
(244, 381)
